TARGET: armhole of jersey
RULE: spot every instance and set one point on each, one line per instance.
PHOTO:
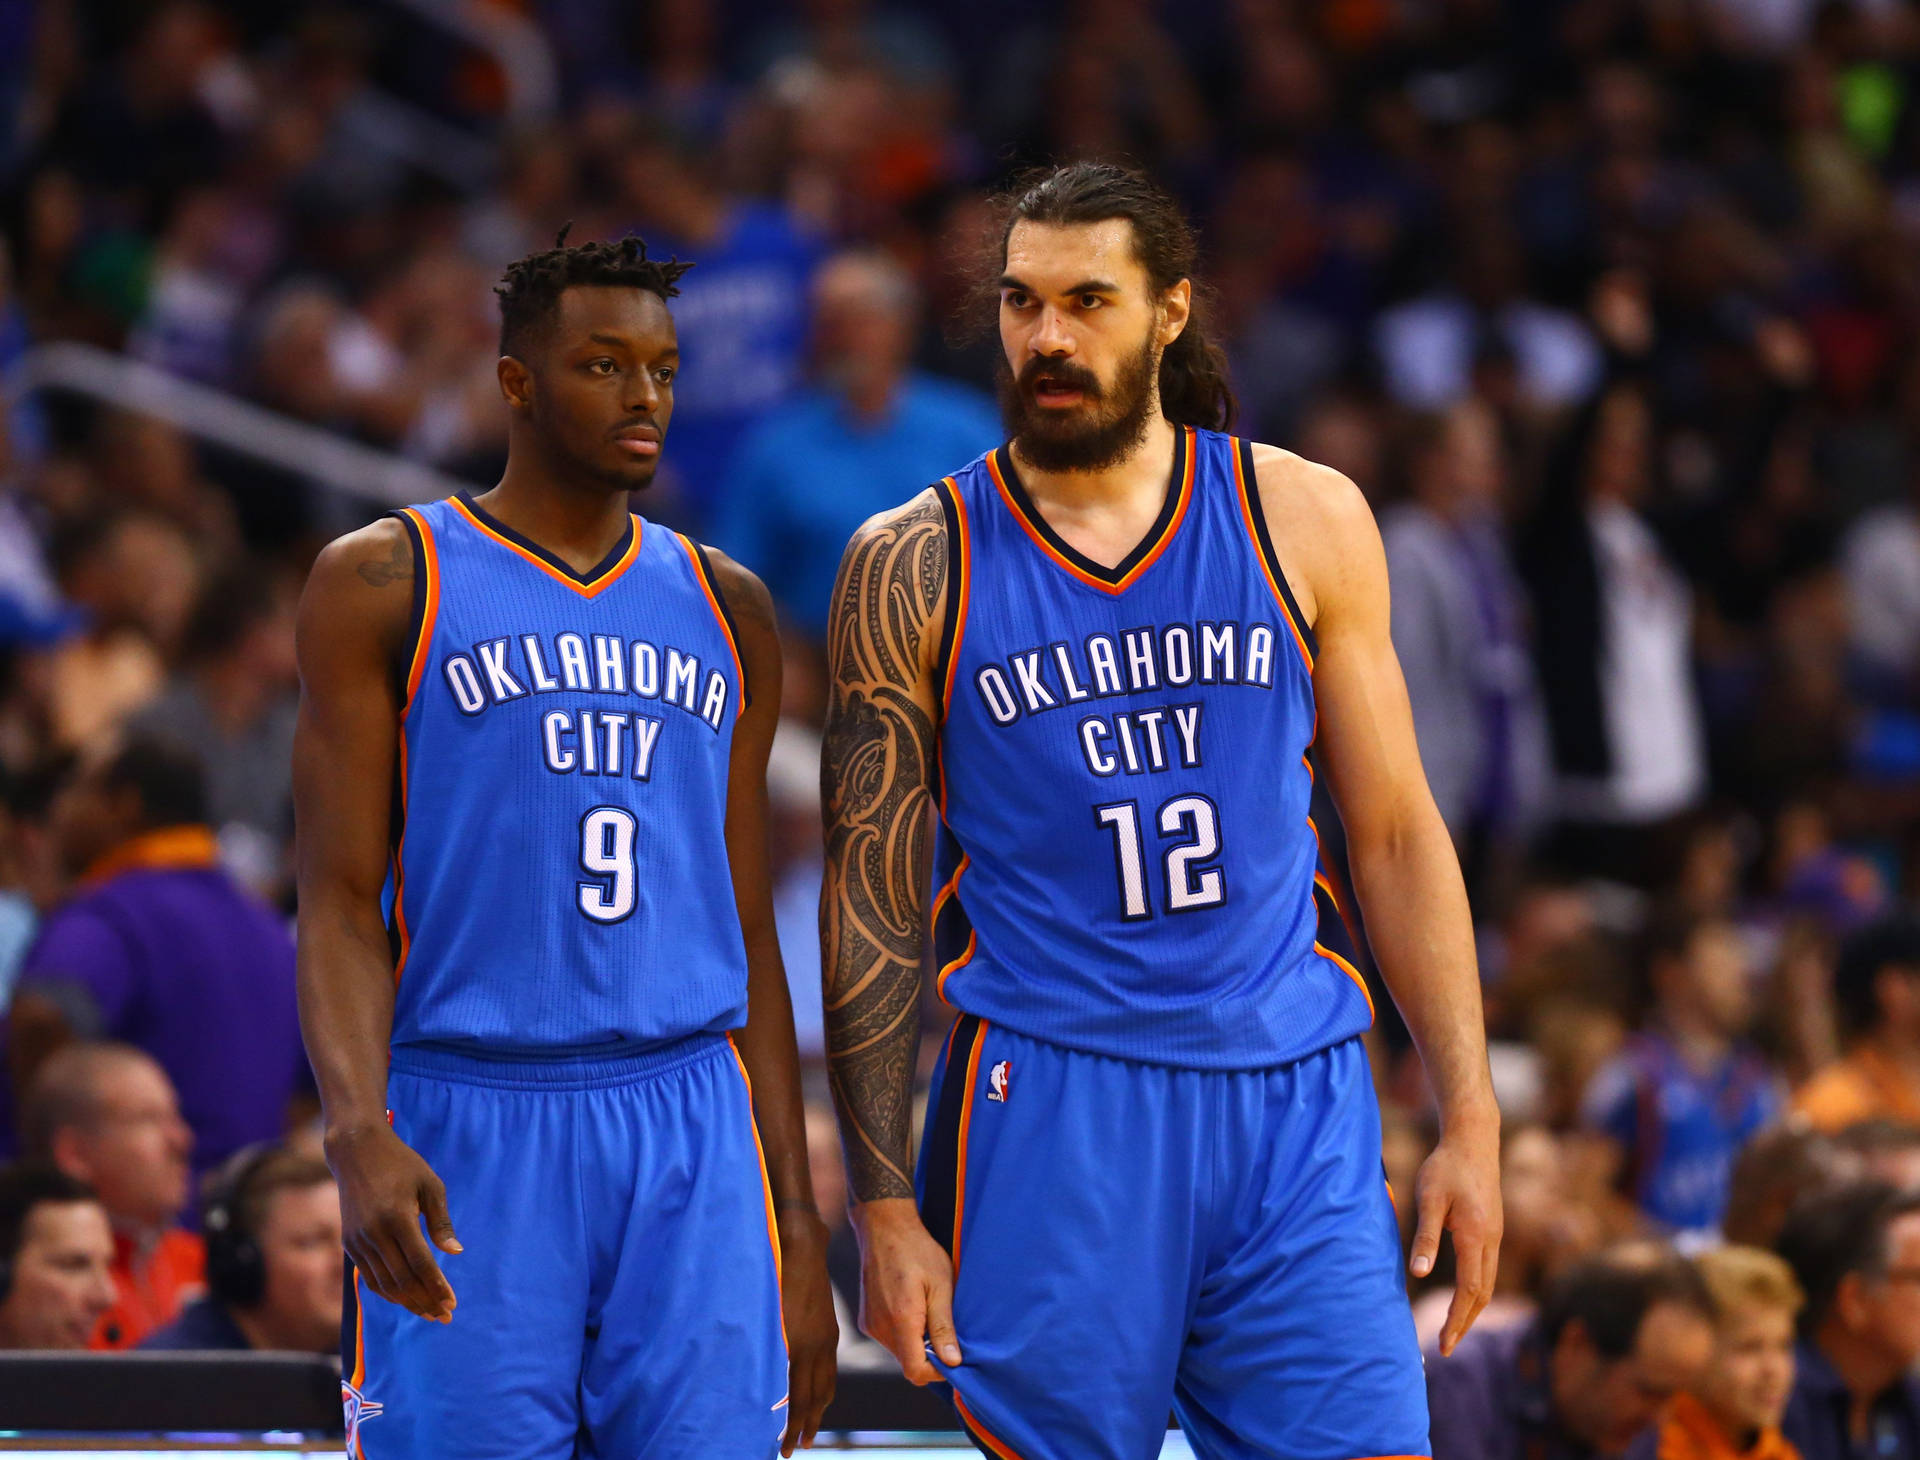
(953, 622)
(720, 607)
(426, 604)
(1256, 517)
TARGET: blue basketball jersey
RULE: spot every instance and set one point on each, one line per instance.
(560, 881)
(1125, 862)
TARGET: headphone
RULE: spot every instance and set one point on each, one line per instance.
(236, 1271)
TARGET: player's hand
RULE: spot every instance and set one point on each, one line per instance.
(813, 1333)
(1458, 1190)
(906, 1287)
(385, 1188)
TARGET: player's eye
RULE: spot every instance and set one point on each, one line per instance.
(665, 374)
(1091, 301)
(602, 366)
(1016, 299)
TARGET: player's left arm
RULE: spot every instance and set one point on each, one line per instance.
(1403, 863)
(767, 1045)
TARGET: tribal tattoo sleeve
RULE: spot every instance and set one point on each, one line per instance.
(876, 765)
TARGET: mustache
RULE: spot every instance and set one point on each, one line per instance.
(1059, 372)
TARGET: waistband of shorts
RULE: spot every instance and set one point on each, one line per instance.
(560, 1071)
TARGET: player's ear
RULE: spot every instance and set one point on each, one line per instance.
(516, 381)
(1176, 308)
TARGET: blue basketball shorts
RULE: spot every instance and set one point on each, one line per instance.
(1134, 1240)
(619, 1292)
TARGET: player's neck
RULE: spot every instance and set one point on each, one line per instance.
(1139, 481)
(579, 523)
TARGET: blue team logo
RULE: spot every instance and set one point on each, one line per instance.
(998, 1080)
(358, 1409)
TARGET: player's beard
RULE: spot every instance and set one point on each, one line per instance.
(1103, 431)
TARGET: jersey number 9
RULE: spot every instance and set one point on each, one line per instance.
(606, 855)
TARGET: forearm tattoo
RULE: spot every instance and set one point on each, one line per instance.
(875, 796)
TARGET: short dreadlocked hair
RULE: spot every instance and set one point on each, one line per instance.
(532, 287)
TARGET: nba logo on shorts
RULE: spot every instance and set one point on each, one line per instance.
(997, 1080)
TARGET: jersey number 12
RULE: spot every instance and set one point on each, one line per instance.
(1189, 884)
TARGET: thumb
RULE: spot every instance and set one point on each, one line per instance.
(946, 1343)
(1426, 1238)
(433, 1206)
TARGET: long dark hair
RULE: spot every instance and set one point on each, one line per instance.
(1193, 370)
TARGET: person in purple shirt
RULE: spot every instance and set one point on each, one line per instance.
(1617, 1336)
(157, 947)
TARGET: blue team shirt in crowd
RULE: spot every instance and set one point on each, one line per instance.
(812, 472)
(741, 316)
(1681, 1127)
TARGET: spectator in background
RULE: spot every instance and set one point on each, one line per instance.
(56, 1250)
(106, 1114)
(1876, 990)
(1772, 1172)
(1459, 627)
(1430, 347)
(741, 314)
(1688, 1091)
(1613, 638)
(1617, 1337)
(1880, 556)
(161, 949)
(233, 704)
(274, 1260)
(867, 436)
(135, 575)
(1856, 1252)
(1733, 1413)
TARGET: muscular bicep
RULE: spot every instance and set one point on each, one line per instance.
(877, 756)
(345, 742)
(1365, 736)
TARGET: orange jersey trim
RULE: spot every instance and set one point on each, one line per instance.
(766, 1186)
(1243, 492)
(430, 609)
(719, 617)
(960, 1155)
(999, 1447)
(400, 872)
(585, 590)
(1320, 879)
(1153, 554)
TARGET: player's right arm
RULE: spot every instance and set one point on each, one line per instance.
(350, 636)
(876, 797)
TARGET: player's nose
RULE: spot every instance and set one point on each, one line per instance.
(1051, 336)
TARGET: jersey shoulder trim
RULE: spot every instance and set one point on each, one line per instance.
(1247, 484)
(953, 622)
(587, 585)
(426, 600)
(716, 600)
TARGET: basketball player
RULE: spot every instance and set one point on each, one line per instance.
(1151, 1175)
(544, 723)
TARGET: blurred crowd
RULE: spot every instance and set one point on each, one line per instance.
(1611, 308)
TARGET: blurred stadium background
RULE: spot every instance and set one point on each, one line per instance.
(1611, 307)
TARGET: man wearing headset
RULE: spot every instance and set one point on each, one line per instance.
(272, 1223)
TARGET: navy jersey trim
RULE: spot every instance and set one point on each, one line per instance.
(417, 615)
(527, 545)
(950, 618)
(1263, 537)
(939, 1203)
(726, 616)
(1179, 487)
